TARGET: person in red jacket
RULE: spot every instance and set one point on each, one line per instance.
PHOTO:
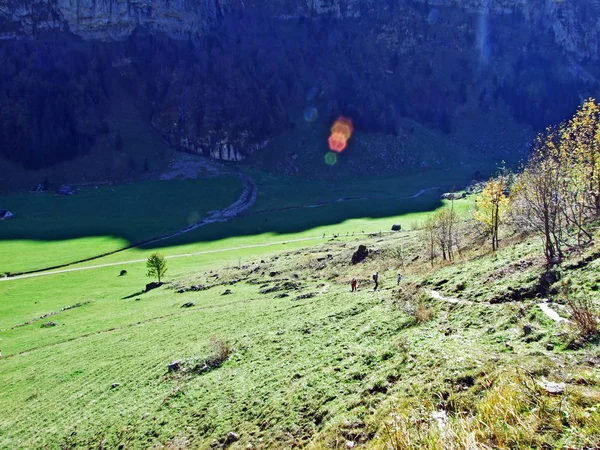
(354, 284)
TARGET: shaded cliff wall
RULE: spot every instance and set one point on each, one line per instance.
(219, 77)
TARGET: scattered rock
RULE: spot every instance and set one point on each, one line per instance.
(282, 295)
(307, 331)
(448, 331)
(123, 272)
(231, 438)
(188, 305)
(296, 276)
(491, 330)
(49, 324)
(39, 188)
(115, 385)
(552, 388)
(527, 329)
(5, 215)
(396, 227)
(273, 274)
(549, 346)
(174, 366)
(227, 292)
(305, 296)
(65, 189)
(152, 285)
(198, 287)
(453, 195)
(360, 254)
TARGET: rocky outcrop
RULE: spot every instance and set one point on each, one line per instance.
(113, 19)
(575, 25)
(220, 77)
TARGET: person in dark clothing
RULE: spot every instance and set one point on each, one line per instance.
(376, 280)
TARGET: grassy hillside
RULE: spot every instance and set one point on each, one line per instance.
(290, 358)
(51, 230)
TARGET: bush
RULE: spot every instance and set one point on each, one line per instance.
(413, 302)
(585, 318)
(221, 348)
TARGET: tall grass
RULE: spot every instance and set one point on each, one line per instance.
(515, 412)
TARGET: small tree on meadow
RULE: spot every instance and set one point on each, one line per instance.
(157, 266)
(490, 208)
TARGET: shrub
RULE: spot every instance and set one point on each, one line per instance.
(423, 313)
(221, 348)
(584, 318)
(413, 302)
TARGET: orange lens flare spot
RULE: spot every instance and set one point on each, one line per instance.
(341, 131)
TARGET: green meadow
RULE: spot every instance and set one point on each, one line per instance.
(51, 230)
(273, 350)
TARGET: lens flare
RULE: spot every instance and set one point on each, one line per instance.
(341, 131)
(311, 114)
(331, 159)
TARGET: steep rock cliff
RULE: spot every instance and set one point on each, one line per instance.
(219, 77)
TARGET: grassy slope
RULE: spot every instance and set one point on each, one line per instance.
(332, 365)
(99, 220)
(51, 229)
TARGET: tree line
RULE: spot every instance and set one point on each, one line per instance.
(556, 194)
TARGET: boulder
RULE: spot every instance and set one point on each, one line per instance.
(65, 189)
(5, 215)
(231, 438)
(453, 195)
(123, 272)
(552, 388)
(174, 366)
(360, 254)
(152, 285)
(188, 305)
(396, 227)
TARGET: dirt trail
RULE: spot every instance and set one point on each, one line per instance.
(543, 306)
(436, 295)
(551, 313)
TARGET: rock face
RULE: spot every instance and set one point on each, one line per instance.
(113, 19)
(219, 77)
(575, 25)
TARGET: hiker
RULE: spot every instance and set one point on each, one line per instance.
(353, 284)
(376, 280)
(399, 278)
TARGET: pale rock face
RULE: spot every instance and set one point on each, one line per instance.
(575, 24)
(112, 19)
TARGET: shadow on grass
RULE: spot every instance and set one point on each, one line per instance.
(285, 206)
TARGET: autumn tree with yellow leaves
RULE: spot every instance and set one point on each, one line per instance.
(490, 208)
(558, 192)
